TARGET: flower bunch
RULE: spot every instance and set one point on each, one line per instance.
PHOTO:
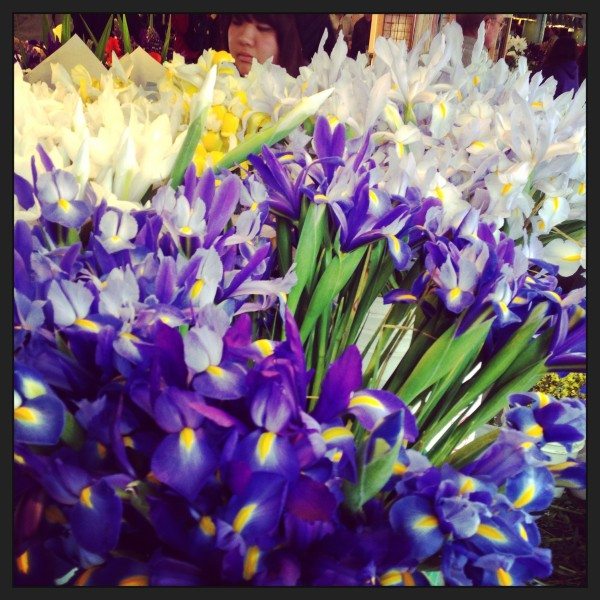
(193, 404)
(515, 46)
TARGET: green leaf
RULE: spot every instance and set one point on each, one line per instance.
(126, 36)
(165, 48)
(443, 357)
(335, 277)
(493, 370)
(311, 235)
(72, 434)
(89, 31)
(276, 132)
(196, 128)
(472, 450)
(284, 244)
(67, 27)
(183, 329)
(372, 477)
(72, 236)
(103, 39)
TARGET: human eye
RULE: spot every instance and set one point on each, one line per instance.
(264, 27)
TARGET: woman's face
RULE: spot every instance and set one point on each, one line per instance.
(251, 39)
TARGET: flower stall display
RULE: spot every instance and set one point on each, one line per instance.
(194, 263)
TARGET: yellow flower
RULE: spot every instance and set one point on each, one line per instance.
(230, 125)
(222, 56)
(256, 121)
(212, 141)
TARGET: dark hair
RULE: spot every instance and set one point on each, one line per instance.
(564, 48)
(288, 40)
(470, 21)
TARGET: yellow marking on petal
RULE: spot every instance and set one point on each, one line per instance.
(87, 324)
(54, 515)
(288, 156)
(443, 109)
(439, 192)
(207, 526)
(18, 459)
(134, 581)
(491, 533)
(337, 456)
(101, 449)
(254, 206)
(391, 577)
(541, 225)
(519, 300)
(581, 188)
(395, 243)
(333, 120)
(503, 307)
(251, 562)
(555, 203)
(321, 197)
(561, 466)
(115, 238)
(525, 497)
(336, 432)
(197, 288)
(128, 441)
(454, 293)
(467, 486)
(187, 437)
(555, 296)
(478, 144)
(534, 430)
(526, 445)
(230, 125)
(32, 388)
(537, 104)
(64, 204)
(506, 188)
(365, 401)
(216, 371)
(27, 415)
(476, 80)
(543, 399)
(399, 149)
(406, 297)
(86, 497)
(572, 257)
(523, 532)
(23, 562)
(373, 197)
(165, 319)
(529, 279)
(426, 522)
(264, 446)
(399, 469)
(504, 578)
(408, 579)
(186, 230)
(459, 95)
(264, 346)
(244, 515)
(130, 336)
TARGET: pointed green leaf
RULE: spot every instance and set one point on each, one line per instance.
(104, 38)
(372, 477)
(72, 434)
(469, 452)
(46, 29)
(443, 357)
(67, 26)
(335, 277)
(309, 243)
(126, 35)
(276, 132)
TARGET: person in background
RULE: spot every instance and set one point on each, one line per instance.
(470, 26)
(561, 63)
(343, 23)
(262, 36)
(310, 29)
(360, 36)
